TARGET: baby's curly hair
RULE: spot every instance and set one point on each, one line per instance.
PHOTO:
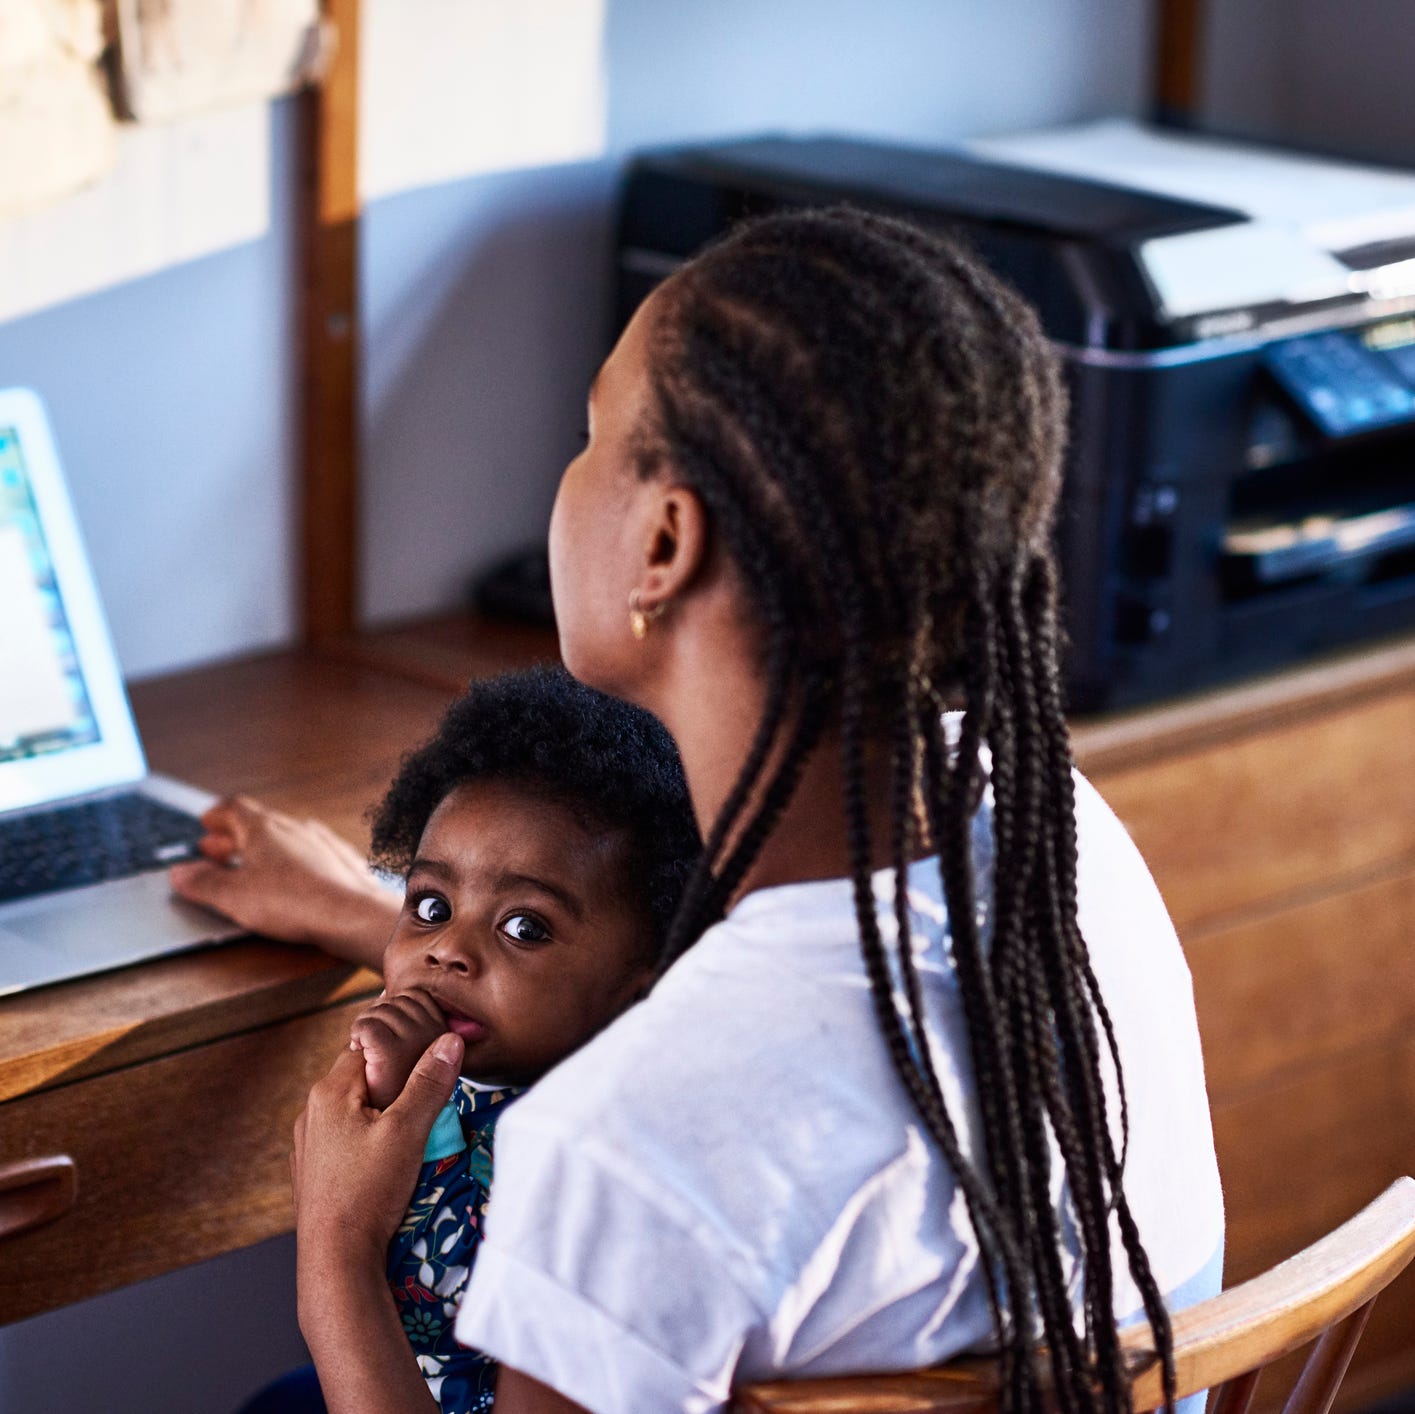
(613, 765)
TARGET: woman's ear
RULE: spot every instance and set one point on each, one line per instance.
(676, 546)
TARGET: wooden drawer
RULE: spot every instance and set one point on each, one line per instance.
(1300, 986)
(186, 1155)
(1271, 815)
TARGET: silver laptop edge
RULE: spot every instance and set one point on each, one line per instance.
(56, 936)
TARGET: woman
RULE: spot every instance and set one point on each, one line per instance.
(874, 1116)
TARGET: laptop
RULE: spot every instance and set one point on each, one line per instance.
(86, 833)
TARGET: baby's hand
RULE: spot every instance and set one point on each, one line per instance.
(393, 1033)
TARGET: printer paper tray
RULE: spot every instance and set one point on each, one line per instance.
(1275, 552)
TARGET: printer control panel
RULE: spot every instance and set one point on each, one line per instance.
(1350, 381)
(1319, 504)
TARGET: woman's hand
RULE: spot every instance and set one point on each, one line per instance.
(295, 880)
(352, 1167)
(353, 1170)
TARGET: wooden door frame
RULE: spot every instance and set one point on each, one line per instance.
(1178, 81)
(328, 494)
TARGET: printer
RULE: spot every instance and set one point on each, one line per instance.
(1237, 324)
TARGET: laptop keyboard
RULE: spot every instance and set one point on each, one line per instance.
(112, 838)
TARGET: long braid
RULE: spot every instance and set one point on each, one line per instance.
(1050, 686)
(875, 426)
(1017, 1368)
(1035, 1058)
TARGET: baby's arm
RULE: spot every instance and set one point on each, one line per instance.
(393, 1033)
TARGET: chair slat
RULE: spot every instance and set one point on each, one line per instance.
(1236, 1395)
(1327, 1365)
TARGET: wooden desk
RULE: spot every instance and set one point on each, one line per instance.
(174, 1085)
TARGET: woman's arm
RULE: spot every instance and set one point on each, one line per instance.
(353, 1170)
(295, 880)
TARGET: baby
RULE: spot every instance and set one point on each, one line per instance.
(544, 834)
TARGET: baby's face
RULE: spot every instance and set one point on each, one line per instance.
(515, 923)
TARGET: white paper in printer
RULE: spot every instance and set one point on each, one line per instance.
(1301, 209)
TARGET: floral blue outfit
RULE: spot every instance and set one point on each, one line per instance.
(433, 1250)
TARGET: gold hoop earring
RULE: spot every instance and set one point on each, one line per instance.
(639, 617)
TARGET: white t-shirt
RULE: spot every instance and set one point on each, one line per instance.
(730, 1182)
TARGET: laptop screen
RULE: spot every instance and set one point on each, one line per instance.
(65, 726)
(44, 701)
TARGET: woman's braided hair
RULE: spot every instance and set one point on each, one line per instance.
(876, 426)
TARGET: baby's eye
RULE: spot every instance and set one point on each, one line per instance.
(431, 908)
(525, 928)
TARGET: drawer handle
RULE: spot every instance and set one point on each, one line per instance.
(36, 1191)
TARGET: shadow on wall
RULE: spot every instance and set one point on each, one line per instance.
(486, 314)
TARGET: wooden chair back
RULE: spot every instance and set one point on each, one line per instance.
(1324, 1295)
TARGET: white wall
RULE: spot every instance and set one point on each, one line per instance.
(173, 406)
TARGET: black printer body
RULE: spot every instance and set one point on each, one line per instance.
(1240, 485)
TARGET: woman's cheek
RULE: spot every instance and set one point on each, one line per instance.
(561, 552)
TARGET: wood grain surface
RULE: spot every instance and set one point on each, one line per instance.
(179, 1159)
(1209, 718)
(1292, 990)
(446, 652)
(1274, 814)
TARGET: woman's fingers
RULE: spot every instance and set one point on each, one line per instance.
(353, 1168)
(288, 878)
(220, 849)
(233, 815)
(430, 1085)
(338, 1096)
(213, 885)
(342, 1087)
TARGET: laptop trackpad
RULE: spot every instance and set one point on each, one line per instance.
(122, 921)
